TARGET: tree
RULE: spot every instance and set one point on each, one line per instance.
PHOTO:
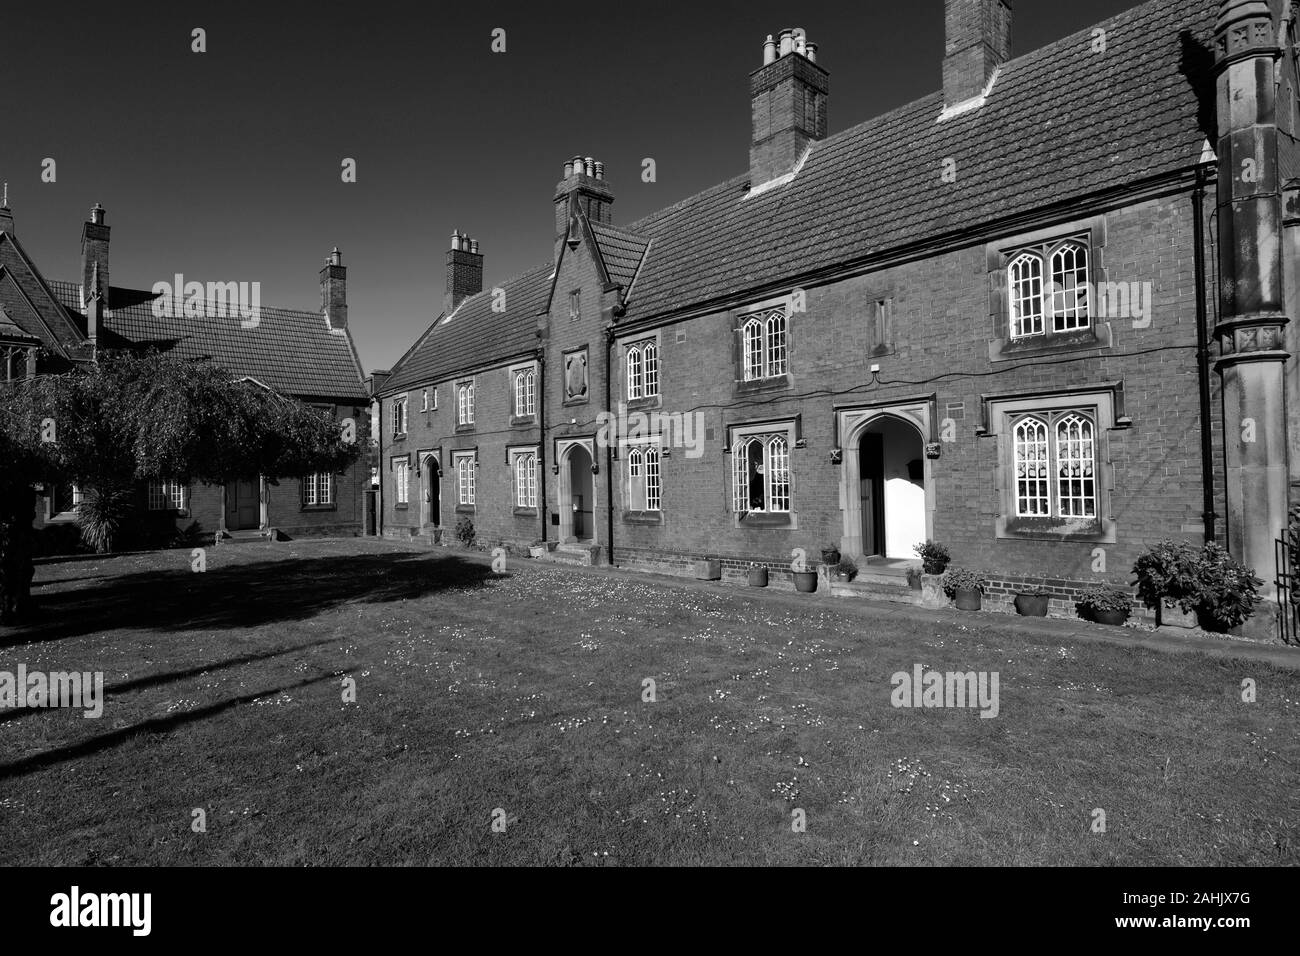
(130, 418)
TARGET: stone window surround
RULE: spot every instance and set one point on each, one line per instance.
(645, 402)
(512, 453)
(457, 454)
(792, 427)
(535, 367)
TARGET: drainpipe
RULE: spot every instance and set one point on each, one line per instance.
(379, 492)
(541, 437)
(1203, 357)
(609, 446)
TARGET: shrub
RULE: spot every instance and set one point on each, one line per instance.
(960, 579)
(847, 567)
(1220, 589)
(1169, 569)
(1106, 597)
(102, 513)
(465, 530)
(1228, 590)
(1033, 590)
(934, 557)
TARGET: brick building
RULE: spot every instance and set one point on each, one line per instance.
(53, 326)
(1039, 316)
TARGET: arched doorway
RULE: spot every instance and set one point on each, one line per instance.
(431, 477)
(576, 494)
(887, 493)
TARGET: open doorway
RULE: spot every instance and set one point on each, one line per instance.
(581, 503)
(432, 480)
(891, 488)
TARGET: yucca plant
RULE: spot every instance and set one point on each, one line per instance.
(102, 513)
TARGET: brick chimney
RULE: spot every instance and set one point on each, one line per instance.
(787, 96)
(334, 291)
(464, 271)
(94, 257)
(582, 188)
(978, 41)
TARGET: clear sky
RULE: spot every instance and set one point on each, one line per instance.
(225, 165)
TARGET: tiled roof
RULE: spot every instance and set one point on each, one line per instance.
(11, 330)
(1061, 122)
(472, 334)
(289, 350)
(621, 251)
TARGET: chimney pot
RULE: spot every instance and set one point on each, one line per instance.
(589, 166)
(600, 170)
(787, 42)
(769, 50)
(97, 214)
(473, 246)
(568, 169)
(811, 52)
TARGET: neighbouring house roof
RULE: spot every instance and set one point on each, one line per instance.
(473, 334)
(289, 350)
(1062, 123)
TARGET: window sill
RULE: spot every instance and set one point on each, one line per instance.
(400, 507)
(322, 507)
(464, 509)
(522, 512)
(1006, 350)
(464, 427)
(1091, 531)
(641, 404)
(643, 517)
(522, 421)
(758, 385)
(762, 520)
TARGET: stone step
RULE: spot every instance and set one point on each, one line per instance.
(874, 591)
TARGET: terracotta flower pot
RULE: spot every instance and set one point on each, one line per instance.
(1032, 605)
(968, 600)
(805, 581)
(1113, 618)
(758, 577)
(831, 556)
(1171, 615)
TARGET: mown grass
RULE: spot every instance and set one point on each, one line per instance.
(524, 692)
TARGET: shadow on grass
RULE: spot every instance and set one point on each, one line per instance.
(166, 677)
(156, 725)
(243, 595)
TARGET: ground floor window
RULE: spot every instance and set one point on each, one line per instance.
(318, 489)
(525, 467)
(761, 473)
(644, 481)
(402, 480)
(163, 496)
(466, 466)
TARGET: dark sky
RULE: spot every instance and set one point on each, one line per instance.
(225, 165)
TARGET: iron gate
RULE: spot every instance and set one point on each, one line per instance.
(1286, 558)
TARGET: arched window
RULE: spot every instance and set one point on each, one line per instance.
(465, 479)
(775, 330)
(525, 393)
(761, 474)
(653, 483)
(1030, 437)
(1075, 467)
(1025, 277)
(465, 403)
(1069, 287)
(526, 480)
(752, 335)
(635, 381)
(650, 359)
(635, 479)
(778, 474)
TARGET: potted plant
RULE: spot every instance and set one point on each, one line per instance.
(757, 576)
(1106, 604)
(1227, 590)
(805, 581)
(846, 570)
(539, 548)
(708, 569)
(831, 554)
(1167, 581)
(1033, 602)
(966, 588)
(934, 557)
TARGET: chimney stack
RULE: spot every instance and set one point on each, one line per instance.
(583, 189)
(978, 41)
(787, 105)
(464, 271)
(94, 257)
(334, 291)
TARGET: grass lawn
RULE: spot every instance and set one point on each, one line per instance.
(524, 692)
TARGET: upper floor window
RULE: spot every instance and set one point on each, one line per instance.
(763, 338)
(575, 303)
(644, 484)
(318, 489)
(526, 479)
(399, 416)
(525, 392)
(643, 370)
(761, 473)
(16, 362)
(465, 403)
(424, 400)
(166, 496)
(1055, 461)
(1048, 288)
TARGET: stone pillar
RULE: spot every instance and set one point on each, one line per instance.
(1252, 312)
